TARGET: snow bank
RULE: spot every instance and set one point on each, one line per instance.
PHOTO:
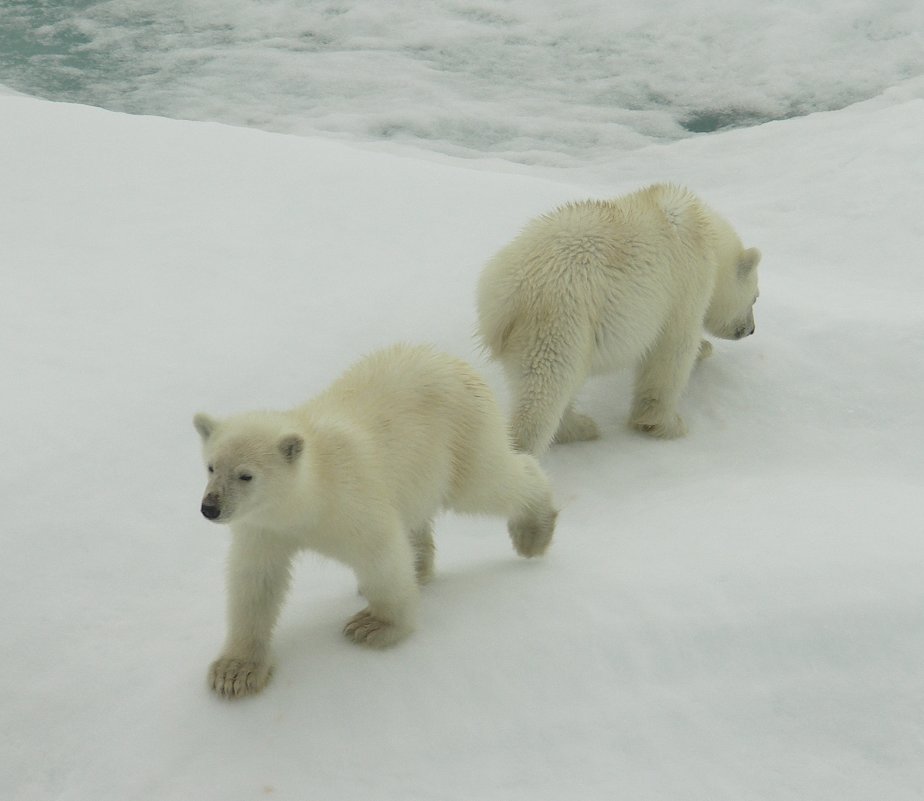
(736, 615)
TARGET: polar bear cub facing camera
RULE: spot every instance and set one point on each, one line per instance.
(600, 285)
(357, 474)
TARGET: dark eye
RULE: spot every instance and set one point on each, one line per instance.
(211, 469)
(245, 477)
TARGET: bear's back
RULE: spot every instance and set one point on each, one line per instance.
(403, 396)
(409, 412)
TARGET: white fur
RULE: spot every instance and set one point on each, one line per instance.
(358, 474)
(601, 285)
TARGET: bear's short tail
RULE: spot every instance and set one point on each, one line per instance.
(494, 334)
(497, 315)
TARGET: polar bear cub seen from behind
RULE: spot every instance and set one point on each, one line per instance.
(358, 474)
(599, 285)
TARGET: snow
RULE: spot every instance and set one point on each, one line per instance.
(734, 615)
(531, 81)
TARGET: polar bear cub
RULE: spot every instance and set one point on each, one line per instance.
(600, 285)
(358, 474)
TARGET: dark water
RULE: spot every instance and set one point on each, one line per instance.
(534, 82)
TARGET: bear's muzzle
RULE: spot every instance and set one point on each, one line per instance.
(210, 507)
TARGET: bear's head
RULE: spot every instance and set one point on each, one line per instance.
(252, 461)
(731, 311)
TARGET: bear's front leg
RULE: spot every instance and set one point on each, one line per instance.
(386, 577)
(662, 378)
(258, 577)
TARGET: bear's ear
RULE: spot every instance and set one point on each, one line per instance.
(291, 447)
(747, 261)
(205, 425)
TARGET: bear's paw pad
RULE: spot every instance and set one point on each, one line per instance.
(233, 678)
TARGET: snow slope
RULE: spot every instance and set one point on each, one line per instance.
(735, 615)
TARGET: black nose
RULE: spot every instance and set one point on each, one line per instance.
(744, 331)
(211, 512)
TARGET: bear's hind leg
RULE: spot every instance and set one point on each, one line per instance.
(544, 379)
(422, 542)
(532, 521)
(504, 482)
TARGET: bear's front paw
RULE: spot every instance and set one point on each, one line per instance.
(672, 428)
(705, 350)
(367, 629)
(651, 416)
(233, 678)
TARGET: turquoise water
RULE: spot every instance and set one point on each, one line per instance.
(531, 81)
(38, 56)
